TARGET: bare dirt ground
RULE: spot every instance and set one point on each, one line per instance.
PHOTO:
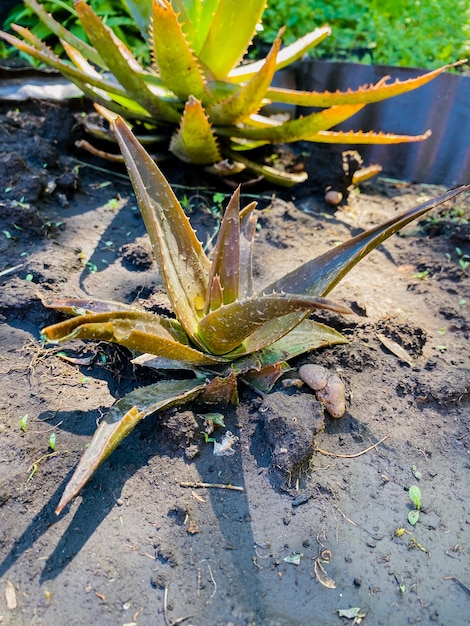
(139, 547)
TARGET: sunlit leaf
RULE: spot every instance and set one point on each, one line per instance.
(120, 420)
(194, 141)
(144, 332)
(365, 95)
(125, 67)
(249, 97)
(226, 328)
(320, 275)
(176, 63)
(286, 56)
(231, 30)
(182, 261)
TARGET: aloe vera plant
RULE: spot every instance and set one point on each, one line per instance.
(197, 95)
(224, 329)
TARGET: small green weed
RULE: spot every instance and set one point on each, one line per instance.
(415, 497)
(51, 442)
(23, 422)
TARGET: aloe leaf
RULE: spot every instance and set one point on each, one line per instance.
(265, 379)
(145, 332)
(120, 97)
(286, 56)
(182, 261)
(97, 89)
(124, 65)
(120, 420)
(194, 141)
(301, 129)
(88, 51)
(41, 52)
(196, 18)
(318, 276)
(305, 337)
(271, 174)
(81, 306)
(232, 28)
(365, 95)
(176, 61)
(226, 328)
(248, 221)
(90, 82)
(220, 390)
(249, 97)
(141, 11)
(360, 137)
(226, 256)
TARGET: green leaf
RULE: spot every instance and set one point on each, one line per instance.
(226, 328)
(195, 141)
(286, 56)
(181, 259)
(124, 66)
(415, 496)
(145, 332)
(271, 174)
(318, 276)
(81, 306)
(41, 52)
(141, 11)
(121, 419)
(249, 97)
(176, 61)
(413, 517)
(308, 335)
(58, 29)
(300, 129)
(225, 266)
(23, 422)
(195, 17)
(231, 30)
(365, 95)
(249, 219)
(359, 137)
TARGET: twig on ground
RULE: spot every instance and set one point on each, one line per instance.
(457, 582)
(211, 485)
(352, 456)
(10, 270)
(175, 622)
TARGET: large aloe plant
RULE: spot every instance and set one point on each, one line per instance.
(224, 329)
(202, 101)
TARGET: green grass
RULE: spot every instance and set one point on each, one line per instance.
(113, 12)
(414, 33)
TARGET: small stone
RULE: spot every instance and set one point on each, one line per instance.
(333, 396)
(315, 376)
(329, 388)
(333, 197)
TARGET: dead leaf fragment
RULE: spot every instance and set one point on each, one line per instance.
(395, 349)
(322, 575)
(294, 559)
(10, 596)
(192, 528)
(352, 613)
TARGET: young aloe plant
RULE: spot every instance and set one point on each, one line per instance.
(197, 95)
(224, 329)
